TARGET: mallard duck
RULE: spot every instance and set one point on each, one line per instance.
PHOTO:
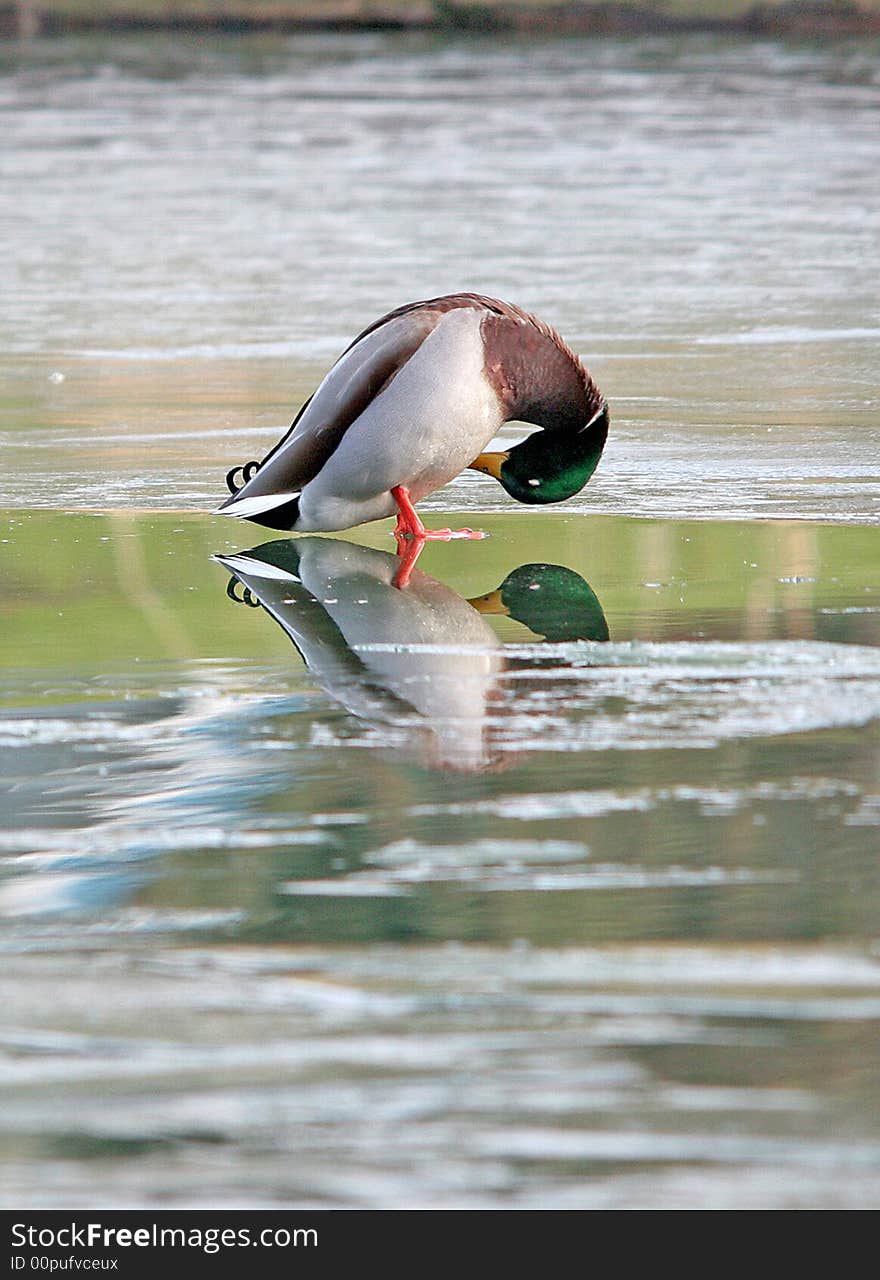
(420, 658)
(414, 401)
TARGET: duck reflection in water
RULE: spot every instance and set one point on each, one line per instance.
(420, 658)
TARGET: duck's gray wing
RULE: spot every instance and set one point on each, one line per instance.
(357, 377)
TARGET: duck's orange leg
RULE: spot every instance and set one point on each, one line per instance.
(409, 524)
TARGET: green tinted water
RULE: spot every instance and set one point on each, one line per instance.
(550, 880)
(605, 905)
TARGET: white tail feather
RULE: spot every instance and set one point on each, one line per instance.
(244, 507)
(256, 568)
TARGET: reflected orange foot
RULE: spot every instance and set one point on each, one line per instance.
(408, 549)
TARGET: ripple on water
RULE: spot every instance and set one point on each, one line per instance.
(513, 1076)
(369, 981)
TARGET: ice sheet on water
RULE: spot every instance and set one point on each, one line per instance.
(787, 335)
(639, 695)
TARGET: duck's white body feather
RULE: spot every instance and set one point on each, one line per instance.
(434, 413)
(421, 431)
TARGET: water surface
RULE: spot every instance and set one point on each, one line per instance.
(550, 880)
(201, 226)
(546, 881)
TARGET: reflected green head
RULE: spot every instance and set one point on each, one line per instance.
(555, 602)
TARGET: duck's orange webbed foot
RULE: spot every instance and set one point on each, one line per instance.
(409, 524)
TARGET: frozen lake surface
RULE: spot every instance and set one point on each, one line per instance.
(550, 881)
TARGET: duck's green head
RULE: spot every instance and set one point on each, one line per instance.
(549, 466)
(551, 600)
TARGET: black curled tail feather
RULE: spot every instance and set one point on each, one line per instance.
(244, 598)
(248, 471)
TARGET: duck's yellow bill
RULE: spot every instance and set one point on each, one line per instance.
(491, 603)
(489, 463)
